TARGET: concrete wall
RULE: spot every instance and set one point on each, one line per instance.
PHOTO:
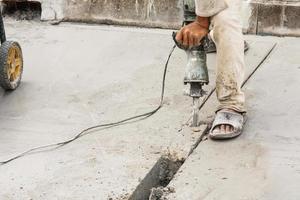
(52, 9)
(271, 17)
(275, 17)
(150, 13)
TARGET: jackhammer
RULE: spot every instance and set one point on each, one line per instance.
(196, 73)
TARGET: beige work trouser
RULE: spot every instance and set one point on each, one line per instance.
(226, 32)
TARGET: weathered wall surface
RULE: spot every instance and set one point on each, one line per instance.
(151, 13)
(274, 17)
(52, 9)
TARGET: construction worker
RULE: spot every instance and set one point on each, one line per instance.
(220, 20)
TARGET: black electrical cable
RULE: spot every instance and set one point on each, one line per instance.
(107, 125)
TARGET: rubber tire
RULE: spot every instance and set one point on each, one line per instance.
(5, 83)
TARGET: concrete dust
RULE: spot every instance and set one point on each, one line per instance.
(168, 168)
(160, 192)
(158, 177)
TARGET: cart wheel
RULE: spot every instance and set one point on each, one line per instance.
(11, 65)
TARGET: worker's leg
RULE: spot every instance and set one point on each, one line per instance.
(227, 34)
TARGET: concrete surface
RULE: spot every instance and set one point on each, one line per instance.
(264, 162)
(77, 76)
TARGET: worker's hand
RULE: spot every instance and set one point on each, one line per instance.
(191, 34)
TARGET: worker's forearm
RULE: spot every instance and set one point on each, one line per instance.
(208, 8)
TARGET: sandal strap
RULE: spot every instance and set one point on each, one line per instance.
(236, 120)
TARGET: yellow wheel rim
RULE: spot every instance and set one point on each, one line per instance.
(14, 63)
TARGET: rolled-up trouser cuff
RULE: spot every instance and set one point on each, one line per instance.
(240, 109)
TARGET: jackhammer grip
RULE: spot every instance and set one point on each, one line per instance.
(181, 46)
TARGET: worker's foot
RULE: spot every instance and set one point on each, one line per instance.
(227, 124)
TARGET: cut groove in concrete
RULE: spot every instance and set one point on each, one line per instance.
(159, 176)
(22, 10)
